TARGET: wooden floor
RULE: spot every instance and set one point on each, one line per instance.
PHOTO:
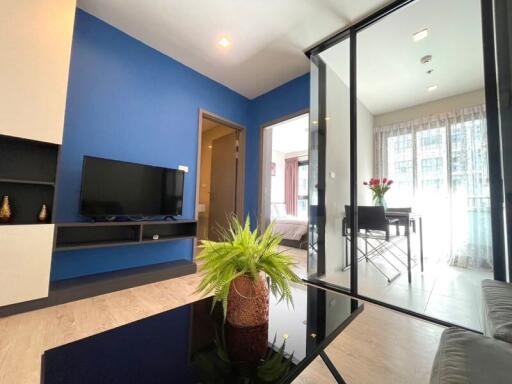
(380, 346)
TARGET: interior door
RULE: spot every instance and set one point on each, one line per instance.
(223, 183)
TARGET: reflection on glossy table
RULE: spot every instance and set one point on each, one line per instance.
(192, 344)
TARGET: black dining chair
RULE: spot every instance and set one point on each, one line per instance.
(408, 219)
(374, 229)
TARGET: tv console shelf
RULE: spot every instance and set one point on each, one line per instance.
(83, 235)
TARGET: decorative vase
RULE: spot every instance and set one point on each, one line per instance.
(380, 201)
(247, 302)
(5, 210)
(43, 215)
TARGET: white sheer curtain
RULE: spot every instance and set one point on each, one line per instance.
(440, 168)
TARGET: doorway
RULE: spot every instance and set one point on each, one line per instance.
(284, 183)
(220, 176)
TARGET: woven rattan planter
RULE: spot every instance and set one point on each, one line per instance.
(248, 302)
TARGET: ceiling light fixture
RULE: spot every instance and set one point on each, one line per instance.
(426, 59)
(432, 88)
(224, 42)
(420, 35)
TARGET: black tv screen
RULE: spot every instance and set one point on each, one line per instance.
(118, 188)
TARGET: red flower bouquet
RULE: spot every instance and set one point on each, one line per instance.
(379, 188)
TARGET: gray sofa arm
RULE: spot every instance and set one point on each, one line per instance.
(466, 357)
(497, 300)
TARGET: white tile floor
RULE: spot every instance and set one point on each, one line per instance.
(441, 291)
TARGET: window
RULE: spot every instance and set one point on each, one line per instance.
(431, 165)
(458, 139)
(302, 205)
(431, 138)
(433, 184)
(431, 160)
(459, 164)
(403, 167)
(402, 143)
(400, 168)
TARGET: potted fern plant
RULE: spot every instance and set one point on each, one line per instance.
(235, 271)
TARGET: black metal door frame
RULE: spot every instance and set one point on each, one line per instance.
(493, 132)
(503, 33)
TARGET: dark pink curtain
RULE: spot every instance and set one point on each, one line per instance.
(291, 185)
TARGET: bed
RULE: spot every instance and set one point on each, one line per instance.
(293, 229)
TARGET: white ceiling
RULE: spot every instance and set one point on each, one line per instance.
(268, 37)
(291, 135)
(390, 75)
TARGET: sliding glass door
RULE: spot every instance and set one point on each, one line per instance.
(401, 209)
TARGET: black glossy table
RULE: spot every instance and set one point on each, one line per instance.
(192, 344)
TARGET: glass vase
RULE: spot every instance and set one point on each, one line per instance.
(380, 201)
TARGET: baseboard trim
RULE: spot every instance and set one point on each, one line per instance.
(68, 290)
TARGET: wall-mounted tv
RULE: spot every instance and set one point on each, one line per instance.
(112, 188)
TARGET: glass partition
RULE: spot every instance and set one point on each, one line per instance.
(422, 139)
(423, 213)
(330, 165)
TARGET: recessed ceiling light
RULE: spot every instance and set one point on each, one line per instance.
(420, 35)
(224, 42)
(432, 88)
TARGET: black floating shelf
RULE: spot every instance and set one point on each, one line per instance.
(98, 244)
(166, 238)
(74, 236)
(30, 182)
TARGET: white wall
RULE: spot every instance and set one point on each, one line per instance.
(365, 151)
(447, 104)
(338, 163)
(277, 181)
(35, 48)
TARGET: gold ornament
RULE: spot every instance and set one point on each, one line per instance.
(5, 210)
(42, 217)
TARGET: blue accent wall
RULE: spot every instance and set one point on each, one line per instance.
(127, 101)
(289, 98)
